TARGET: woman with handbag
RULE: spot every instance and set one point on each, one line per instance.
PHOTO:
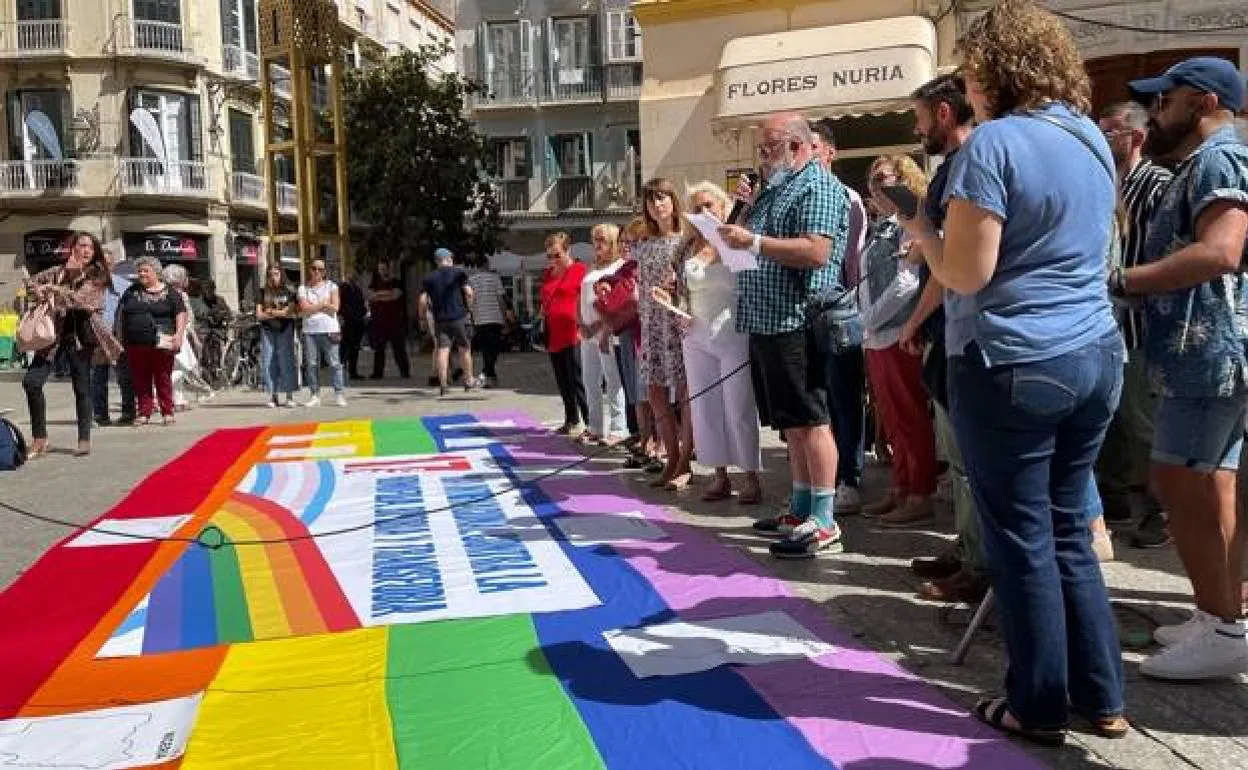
(186, 372)
(886, 298)
(152, 318)
(73, 296)
(724, 415)
(598, 360)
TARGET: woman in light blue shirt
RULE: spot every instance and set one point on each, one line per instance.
(1035, 361)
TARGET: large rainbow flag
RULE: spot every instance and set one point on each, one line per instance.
(421, 593)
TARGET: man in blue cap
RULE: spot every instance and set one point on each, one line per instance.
(447, 296)
(1196, 303)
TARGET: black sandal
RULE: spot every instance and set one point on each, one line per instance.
(993, 712)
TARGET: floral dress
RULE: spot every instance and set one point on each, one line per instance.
(662, 362)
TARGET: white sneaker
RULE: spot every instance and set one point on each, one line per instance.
(273, 403)
(312, 402)
(848, 500)
(1168, 636)
(1217, 650)
(340, 400)
(290, 402)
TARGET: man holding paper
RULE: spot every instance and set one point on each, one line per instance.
(796, 231)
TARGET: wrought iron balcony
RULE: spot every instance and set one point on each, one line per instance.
(240, 63)
(509, 89)
(574, 192)
(247, 189)
(158, 38)
(38, 177)
(513, 194)
(624, 81)
(34, 38)
(149, 176)
(591, 83)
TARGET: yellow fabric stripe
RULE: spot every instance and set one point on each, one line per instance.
(264, 600)
(359, 433)
(311, 702)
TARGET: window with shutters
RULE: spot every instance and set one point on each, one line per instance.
(506, 59)
(510, 158)
(242, 142)
(37, 122)
(572, 155)
(623, 37)
(179, 133)
(168, 11)
(570, 50)
(38, 10)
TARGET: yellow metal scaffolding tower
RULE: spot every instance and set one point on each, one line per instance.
(304, 36)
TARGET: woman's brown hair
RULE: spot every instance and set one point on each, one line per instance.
(652, 190)
(907, 171)
(1023, 56)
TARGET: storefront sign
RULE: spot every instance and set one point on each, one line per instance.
(166, 247)
(842, 80)
(246, 250)
(47, 247)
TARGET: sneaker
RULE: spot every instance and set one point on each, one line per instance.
(1168, 636)
(880, 507)
(781, 524)
(290, 402)
(1153, 532)
(340, 400)
(315, 401)
(273, 403)
(848, 500)
(807, 540)
(1217, 650)
(915, 510)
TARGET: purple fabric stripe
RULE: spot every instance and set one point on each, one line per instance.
(164, 612)
(855, 707)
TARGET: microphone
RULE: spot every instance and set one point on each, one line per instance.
(739, 205)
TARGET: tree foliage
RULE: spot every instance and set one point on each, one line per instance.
(414, 161)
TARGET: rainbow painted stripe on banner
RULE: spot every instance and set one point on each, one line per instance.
(567, 625)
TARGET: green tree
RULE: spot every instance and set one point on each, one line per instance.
(415, 160)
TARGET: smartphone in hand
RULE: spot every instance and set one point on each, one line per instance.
(903, 198)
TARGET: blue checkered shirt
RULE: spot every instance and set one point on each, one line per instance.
(773, 298)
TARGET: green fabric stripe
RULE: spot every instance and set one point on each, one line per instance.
(402, 436)
(479, 694)
(233, 620)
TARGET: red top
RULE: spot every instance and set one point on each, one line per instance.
(560, 297)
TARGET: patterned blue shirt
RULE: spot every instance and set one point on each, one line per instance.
(1195, 338)
(773, 298)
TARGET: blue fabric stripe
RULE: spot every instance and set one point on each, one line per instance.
(135, 620)
(709, 719)
(199, 618)
(264, 479)
(324, 491)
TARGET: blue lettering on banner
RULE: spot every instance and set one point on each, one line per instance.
(406, 577)
(499, 560)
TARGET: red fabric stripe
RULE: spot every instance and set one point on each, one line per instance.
(60, 600)
(336, 611)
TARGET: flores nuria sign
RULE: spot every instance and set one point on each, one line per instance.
(822, 81)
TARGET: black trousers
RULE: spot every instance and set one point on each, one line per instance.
(567, 365)
(396, 339)
(489, 340)
(352, 339)
(79, 363)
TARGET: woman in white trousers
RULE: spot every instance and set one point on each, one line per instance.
(604, 391)
(725, 417)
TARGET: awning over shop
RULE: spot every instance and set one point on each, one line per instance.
(868, 68)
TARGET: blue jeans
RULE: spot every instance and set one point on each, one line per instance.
(277, 360)
(846, 376)
(315, 348)
(99, 389)
(1029, 435)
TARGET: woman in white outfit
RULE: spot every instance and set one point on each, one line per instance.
(725, 417)
(598, 364)
(186, 364)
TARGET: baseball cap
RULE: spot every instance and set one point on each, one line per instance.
(443, 253)
(1204, 73)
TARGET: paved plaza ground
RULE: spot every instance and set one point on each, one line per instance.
(867, 591)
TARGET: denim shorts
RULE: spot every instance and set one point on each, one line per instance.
(1204, 434)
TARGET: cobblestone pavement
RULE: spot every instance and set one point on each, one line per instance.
(868, 590)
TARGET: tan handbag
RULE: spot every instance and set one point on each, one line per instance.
(37, 329)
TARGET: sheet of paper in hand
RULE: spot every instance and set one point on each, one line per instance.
(736, 259)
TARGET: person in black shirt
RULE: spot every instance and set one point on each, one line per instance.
(353, 315)
(152, 318)
(276, 311)
(387, 326)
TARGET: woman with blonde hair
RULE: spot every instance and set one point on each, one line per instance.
(886, 298)
(1035, 361)
(662, 362)
(599, 370)
(723, 416)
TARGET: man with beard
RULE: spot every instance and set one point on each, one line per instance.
(943, 121)
(1122, 467)
(1196, 300)
(797, 231)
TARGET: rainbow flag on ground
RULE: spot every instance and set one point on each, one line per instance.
(422, 593)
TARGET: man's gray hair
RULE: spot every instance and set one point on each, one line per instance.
(175, 275)
(151, 262)
(797, 127)
(1131, 113)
